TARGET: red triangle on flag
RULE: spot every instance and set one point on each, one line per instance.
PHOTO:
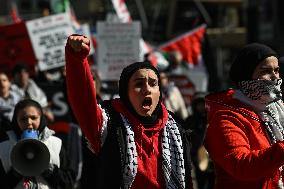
(189, 44)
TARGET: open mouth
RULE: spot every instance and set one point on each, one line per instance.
(147, 102)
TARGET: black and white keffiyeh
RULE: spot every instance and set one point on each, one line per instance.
(172, 155)
(261, 91)
(265, 97)
(173, 163)
(172, 152)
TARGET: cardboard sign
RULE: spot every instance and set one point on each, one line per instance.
(49, 35)
(117, 47)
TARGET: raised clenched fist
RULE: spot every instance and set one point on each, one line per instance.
(78, 42)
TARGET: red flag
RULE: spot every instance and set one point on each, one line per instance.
(15, 46)
(189, 44)
(14, 13)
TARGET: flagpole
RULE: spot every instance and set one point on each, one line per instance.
(142, 13)
(14, 14)
(203, 11)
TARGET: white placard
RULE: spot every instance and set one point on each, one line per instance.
(48, 36)
(118, 46)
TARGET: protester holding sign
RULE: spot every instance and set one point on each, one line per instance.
(139, 143)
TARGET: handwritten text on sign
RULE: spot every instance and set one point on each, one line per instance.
(118, 46)
(48, 36)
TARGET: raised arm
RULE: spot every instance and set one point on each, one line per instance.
(81, 90)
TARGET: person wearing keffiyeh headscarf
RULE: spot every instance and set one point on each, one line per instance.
(246, 123)
(139, 144)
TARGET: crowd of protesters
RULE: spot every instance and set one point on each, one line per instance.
(20, 84)
(149, 137)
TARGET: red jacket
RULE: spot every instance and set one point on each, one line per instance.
(237, 142)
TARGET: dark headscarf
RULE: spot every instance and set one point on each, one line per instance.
(125, 76)
(19, 67)
(20, 106)
(248, 59)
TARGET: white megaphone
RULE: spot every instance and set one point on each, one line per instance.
(30, 156)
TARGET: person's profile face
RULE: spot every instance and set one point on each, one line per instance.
(164, 79)
(143, 91)
(29, 118)
(268, 69)
(4, 84)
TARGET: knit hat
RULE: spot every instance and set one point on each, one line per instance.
(125, 76)
(248, 59)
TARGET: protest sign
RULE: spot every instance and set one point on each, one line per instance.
(118, 46)
(48, 36)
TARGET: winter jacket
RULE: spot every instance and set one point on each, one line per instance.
(57, 176)
(237, 142)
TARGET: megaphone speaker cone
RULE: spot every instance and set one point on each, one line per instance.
(30, 157)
